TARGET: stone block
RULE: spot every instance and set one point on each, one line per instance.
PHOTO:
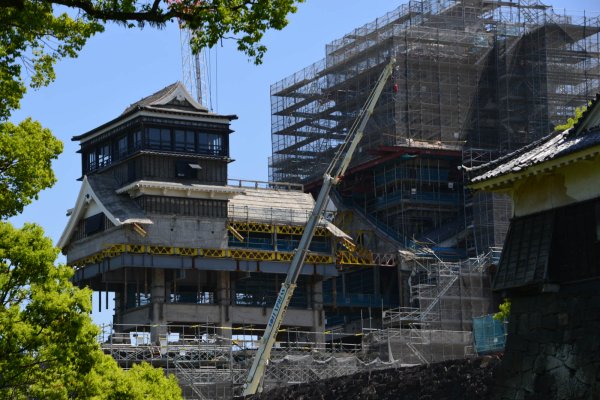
(546, 336)
(550, 321)
(563, 319)
(516, 344)
(551, 305)
(527, 363)
(586, 375)
(548, 363)
(563, 352)
(524, 327)
(568, 387)
(535, 320)
(533, 347)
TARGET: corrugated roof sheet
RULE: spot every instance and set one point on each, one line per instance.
(271, 206)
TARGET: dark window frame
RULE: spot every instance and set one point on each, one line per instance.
(185, 140)
(159, 138)
(108, 149)
(94, 224)
(122, 147)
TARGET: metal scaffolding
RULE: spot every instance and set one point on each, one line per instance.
(470, 74)
(465, 68)
(213, 366)
(211, 362)
(443, 295)
(444, 298)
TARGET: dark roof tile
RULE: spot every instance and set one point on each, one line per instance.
(585, 134)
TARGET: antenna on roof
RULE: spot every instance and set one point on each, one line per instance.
(195, 68)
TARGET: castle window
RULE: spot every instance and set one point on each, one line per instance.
(159, 139)
(94, 224)
(184, 169)
(185, 141)
(122, 148)
(211, 143)
(91, 161)
(136, 140)
(103, 153)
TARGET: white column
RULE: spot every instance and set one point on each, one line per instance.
(224, 302)
(157, 290)
(318, 324)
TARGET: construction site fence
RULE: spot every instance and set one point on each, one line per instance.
(235, 338)
(212, 362)
(419, 344)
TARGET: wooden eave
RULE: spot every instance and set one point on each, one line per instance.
(84, 198)
(506, 181)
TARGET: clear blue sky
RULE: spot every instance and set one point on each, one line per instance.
(120, 66)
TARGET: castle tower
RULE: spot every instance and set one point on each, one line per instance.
(157, 224)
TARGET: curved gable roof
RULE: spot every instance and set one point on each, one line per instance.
(580, 141)
(120, 210)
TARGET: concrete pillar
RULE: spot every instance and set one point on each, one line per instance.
(118, 317)
(318, 323)
(157, 292)
(400, 283)
(224, 302)
(376, 281)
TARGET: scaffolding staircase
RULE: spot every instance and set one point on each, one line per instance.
(417, 339)
(433, 282)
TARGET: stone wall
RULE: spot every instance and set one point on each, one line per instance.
(553, 345)
(470, 379)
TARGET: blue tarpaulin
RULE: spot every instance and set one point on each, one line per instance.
(488, 334)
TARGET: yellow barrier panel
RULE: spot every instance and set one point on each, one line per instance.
(321, 232)
(347, 258)
(285, 256)
(237, 254)
(160, 250)
(235, 233)
(186, 251)
(136, 248)
(299, 230)
(252, 227)
(214, 253)
(252, 255)
(114, 250)
(348, 244)
(319, 259)
(290, 230)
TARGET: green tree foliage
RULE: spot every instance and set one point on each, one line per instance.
(571, 121)
(32, 38)
(504, 310)
(47, 340)
(25, 166)
(35, 34)
(154, 386)
(48, 346)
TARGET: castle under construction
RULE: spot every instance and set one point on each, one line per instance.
(402, 262)
(473, 79)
